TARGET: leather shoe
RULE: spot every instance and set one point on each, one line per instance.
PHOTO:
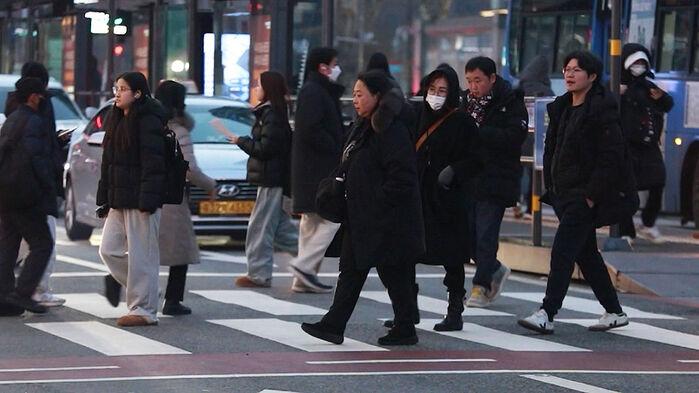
(176, 308)
(450, 323)
(321, 331)
(399, 336)
(25, 303)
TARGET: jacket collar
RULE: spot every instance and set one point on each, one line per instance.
(335, 89)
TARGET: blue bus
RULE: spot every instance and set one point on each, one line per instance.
(669, 28)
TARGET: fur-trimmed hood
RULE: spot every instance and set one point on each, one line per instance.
(390, 107)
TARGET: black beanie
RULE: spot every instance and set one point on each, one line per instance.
(27, 86)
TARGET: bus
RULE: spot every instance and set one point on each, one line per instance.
(669, 28)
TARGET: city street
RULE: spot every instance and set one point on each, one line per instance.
(250, 340)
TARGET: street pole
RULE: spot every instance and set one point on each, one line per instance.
(110, 46)
(614, 242)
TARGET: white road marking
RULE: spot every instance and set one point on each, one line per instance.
(588, 306)
(39, 369)
(81, 262)
(260, 302)
(97, 305)
(437, 306)
(290, 334)
(276, 391)
(643, 331)
(568, 384)
(65, 243)
(689, 361)
(499, 339)
(106, 339)
(380, 361)
(165, 273)
(221, 257)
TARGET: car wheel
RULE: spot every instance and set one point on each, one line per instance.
(74, 229)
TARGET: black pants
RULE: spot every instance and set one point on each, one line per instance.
(398, 282)
(485, 219)
(454, 280)
(576, 241)
(175, 283)
(31, 226)
(648, 215)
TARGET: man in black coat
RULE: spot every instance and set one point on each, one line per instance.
(315, 152)
(584, 167)
(502, 120)
(25, 126)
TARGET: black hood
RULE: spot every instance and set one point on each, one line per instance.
(453, 100)
(151, 106)
(628, 50)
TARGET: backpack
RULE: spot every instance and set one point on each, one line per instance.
(19, 186)
(175, 169)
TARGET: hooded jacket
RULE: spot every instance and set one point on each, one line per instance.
(534, 79)
(134, 178)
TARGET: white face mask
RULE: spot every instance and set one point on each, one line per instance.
(637, 69)
(435, 102)
(335, 73)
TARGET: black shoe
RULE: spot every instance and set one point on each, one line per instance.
(399, 336)
(10, 310)
(176, 308)
(25, 303)
(310, 280)
(450, 323)
(389, 322)
(112, 290)
(319, 330)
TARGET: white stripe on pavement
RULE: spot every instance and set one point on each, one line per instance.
(81, 262)
(259, 302)
(290, 334)
(106, 339)
(499, 339)
(28, 370)
(381, 361)
(437, 306)
(588, 306)
(568, 384)
(276, 391)
(96, 304)
(221, 257)
(689, 361)
(165, 273)
(643, 331)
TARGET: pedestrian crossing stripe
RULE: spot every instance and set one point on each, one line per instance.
(97, 305)
(567, 383)
(499, 339)
(260, 302)
(290, 334)
(436, 306)
(588, 306)
(646, 332)
(106, 339)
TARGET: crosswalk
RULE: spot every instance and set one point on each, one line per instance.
(278, 322)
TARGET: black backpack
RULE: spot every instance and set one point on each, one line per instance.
(19, 186)
(175, 169)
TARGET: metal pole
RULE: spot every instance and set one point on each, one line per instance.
(110, 46)
(536, 206)
(218, 54)
(327, 31)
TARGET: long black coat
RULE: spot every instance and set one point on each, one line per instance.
(317, 139)
(134, 178)
(384, 222)
(501, 135)
(269, 148)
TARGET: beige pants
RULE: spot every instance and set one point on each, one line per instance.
(315, 235)
(130, 250)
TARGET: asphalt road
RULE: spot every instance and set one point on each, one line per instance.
(249, 341)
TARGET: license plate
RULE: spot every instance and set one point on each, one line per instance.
(225, 207)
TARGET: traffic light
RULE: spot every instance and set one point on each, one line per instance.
(118, 49)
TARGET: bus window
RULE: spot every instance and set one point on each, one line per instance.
(674, 49)
(573, 34)
(537, 38)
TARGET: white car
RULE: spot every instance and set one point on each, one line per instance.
(228, 215)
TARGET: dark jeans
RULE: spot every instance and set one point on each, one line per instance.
(648, 215)
(175, 283)
(31, 226)
(576, 241)
(484, 227)
(398, 282)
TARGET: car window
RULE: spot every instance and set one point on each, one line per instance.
(3, 97)
(63, 108)
(97, 122)
(237, 119)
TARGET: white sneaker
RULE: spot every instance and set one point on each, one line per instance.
(539, 322)
(610, 321)
(650, 233)
(48, 299)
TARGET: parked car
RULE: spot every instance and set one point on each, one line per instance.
(228, 215)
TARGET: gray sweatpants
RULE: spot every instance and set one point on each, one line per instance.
(130, 250)
(315, 235)
(269, 225)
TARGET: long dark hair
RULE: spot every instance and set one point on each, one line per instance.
(118, 131)
(276, 92)
(171, 94)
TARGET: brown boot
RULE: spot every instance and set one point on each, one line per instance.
(135, 320)
(247, 282)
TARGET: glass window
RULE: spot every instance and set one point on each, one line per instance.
(537, 38)
(237, 119)
(63, 108)
(573, 34)
(307, 33)
(556, 5)
(674, 50)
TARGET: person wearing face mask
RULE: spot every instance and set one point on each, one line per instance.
(643, 107)
(315, 151)
(502, 119)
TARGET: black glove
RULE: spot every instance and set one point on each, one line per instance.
(446, 177)
(102, 211)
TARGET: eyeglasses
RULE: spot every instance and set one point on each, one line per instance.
(575, 70)
(117, 89)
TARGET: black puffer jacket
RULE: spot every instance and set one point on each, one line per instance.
(134, 178)
(269, 148)
(501, 135)
(317, 139)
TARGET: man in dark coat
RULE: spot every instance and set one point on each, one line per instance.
(583, 161)
(315, 152)
(25, 126)
(643, 108)
(502, 119)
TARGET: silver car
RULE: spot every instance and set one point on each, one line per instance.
(227, 215)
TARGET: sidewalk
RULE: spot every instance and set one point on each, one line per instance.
(669, 270)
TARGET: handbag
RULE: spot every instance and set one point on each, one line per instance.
(331, 201)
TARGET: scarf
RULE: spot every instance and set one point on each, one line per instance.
(475, 106)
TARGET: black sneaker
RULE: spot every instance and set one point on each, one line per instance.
(26, 303)
(399, 336)
(112, 290)
(450, 323)
(176, 308)
(310, 280)
(319, 330)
